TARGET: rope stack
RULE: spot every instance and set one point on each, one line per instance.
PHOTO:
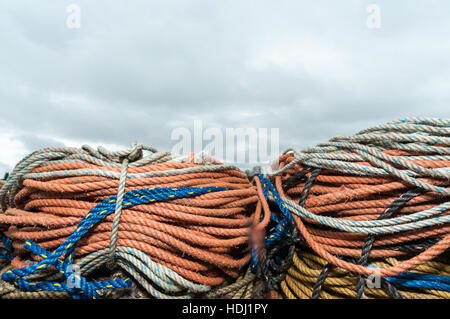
(175, 227)
(360, 200)
(330, 220)
(313, 277)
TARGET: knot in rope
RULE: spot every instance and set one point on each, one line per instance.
(132, 154)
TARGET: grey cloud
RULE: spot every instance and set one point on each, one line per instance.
(3, 170)
(34, 142)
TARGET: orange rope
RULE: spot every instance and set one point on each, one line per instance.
(363, 198)
(204, 239)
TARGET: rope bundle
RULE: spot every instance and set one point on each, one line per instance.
(378, 194)
(370, 205)
(313, 277)
(171, 249)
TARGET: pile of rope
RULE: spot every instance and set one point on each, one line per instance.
(176, 227)
(313, 277)
(139, 223)
(355, 200)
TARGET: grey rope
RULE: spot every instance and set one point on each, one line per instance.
(118, 212)
(420, 135)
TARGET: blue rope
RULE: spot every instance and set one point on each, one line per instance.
(6, 253)
(419, 276)
(417, 280)
(284, 225)
(62, 257)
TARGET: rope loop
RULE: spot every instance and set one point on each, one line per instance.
(133, 154)
(280, 236)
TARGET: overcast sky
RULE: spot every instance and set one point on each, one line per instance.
(135, 70)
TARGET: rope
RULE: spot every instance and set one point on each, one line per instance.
(9, 291)
(378, 194)
(170, 249)
(67, 248)
(305, 280)
(6, 245)
(6, 250)
(372, 203)
(247, 286)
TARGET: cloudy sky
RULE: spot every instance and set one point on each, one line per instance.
(136, 70)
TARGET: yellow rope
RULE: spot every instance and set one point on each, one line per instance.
(340, 283)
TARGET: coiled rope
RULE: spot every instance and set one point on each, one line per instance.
(171, 249)
(306, 280)
(372, 204)
(87, 289)
(378, 194)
